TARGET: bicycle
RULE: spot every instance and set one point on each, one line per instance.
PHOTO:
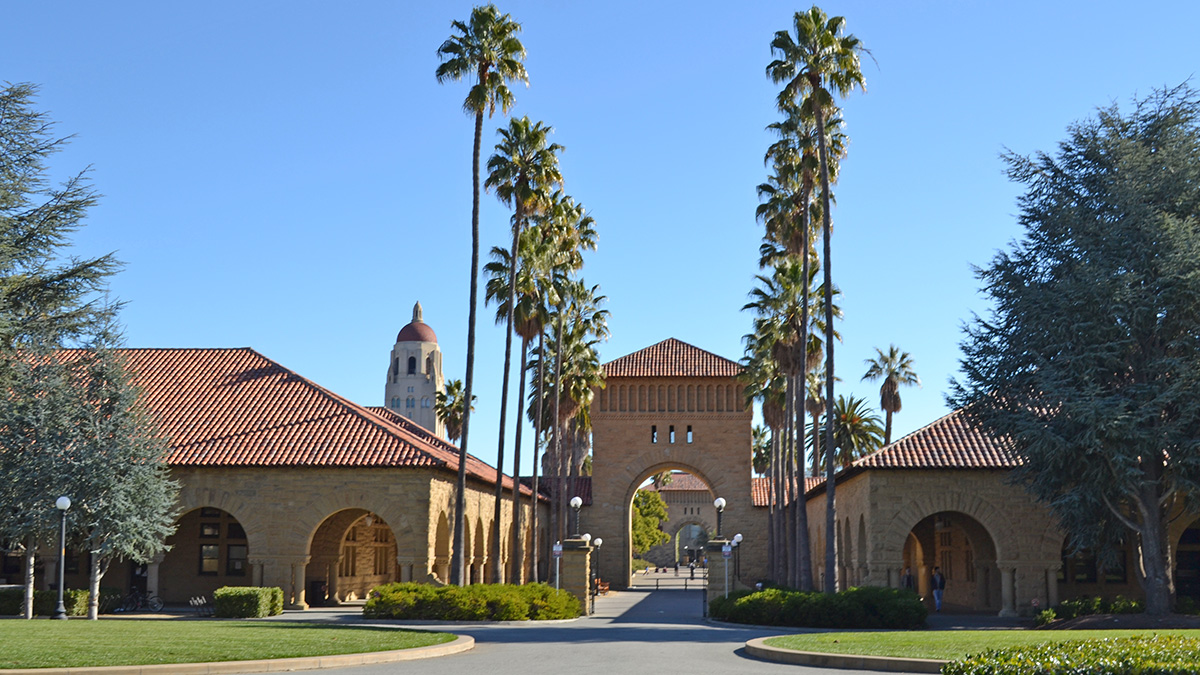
(136, 601)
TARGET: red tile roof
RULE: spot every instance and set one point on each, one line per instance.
(760, 488)
(683, 482)
(672, 358)
(235, 407)
(946, 443)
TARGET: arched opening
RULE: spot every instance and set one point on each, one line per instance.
(441, 549)
(687, 499)
(412, 365)
(966, 554)
(479, 557)
(1187, 563)
(208, 550)
(351, 552)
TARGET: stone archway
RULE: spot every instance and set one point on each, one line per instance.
(351, 552)
(1187, 563)
(210, 548)
(965, 552)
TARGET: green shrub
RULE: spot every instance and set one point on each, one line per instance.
(1087, 606)
(638, 564)
(45, 602)
(866, 607)
(1186, 605)
(1044, 617)
(10, 601)
(491, 602)
(1147, 655)
(246, 602)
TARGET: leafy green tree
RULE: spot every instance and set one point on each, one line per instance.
(649, 513)
(816, 63)
(487, 51)
(895, 368)
(450, 407)
(523, 172)
(1088, 365)
(857, 431)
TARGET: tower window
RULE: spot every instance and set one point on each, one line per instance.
(429, 365)
(653, 433)
(671, 432)
(425, 402)
(410, 403)
(412, 365)
(395, 366)
(689, 436)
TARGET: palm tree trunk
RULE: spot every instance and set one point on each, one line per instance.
(830, 487)
(457, 554)
(778, 490)
(789, 483)
(513, 262)
(518, 534)
(560, 488)
(887, 432)
(537, 451)
(804, 559)
(772, 512)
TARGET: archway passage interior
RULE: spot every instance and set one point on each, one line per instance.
(691, 519)
(966, 554)
(352, 551)
(209, 549)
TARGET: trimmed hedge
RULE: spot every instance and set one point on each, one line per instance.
(247, 602)
(1086, 606)
(45, 602)
(483, 602)
(1152, 655)
(865, 607)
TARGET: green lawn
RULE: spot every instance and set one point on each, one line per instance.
(946, 644)
(45, 644)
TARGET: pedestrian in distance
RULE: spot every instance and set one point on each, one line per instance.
(908, 581)
(676, 568)
(939, 587)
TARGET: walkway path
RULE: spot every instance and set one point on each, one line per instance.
(632, 631)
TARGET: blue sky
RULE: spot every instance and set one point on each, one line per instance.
(289, 176)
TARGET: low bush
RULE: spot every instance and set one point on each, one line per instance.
(638, 564)
(1151, 655)
(247, 602)
(1044, 617)
(44, 602)
(866, 607)
(1187, 605)
(1087, 605)
(481, 602)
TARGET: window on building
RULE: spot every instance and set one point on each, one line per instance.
(395, 368)
(210, 512)
(1117, 572)
(410, 403)
(412, 365)
(347, 567)
(411, 389)
(235, 560)
(425, 402)
(689, 434)
(381, 561)
(1083, 567)
(948, 564)
(653, 433)
(429, 365)
(71, 563)
(671, 433)
(210, 559)
(235, 531)
(210, 530)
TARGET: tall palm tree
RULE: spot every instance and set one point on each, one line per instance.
(856, 430)
(450, 407)
(760, 448)
(765, 383)
(523, 171)
(818, 62)
(485, 49)
(895, 368)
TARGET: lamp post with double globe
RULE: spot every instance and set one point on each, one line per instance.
(719, 503)
(595, 571)
(576, 503)
(63, 503)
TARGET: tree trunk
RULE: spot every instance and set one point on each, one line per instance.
(887, 432)
(537, 451)
(1158, 581)
(513, 262)
(29, 559)
(778, 492)
(95, 574)
(518, 535)
(804, 557)
(457, 554)
(789, 426)
(560, 487)
(830, 487)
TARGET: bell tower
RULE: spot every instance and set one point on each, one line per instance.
(414, 375)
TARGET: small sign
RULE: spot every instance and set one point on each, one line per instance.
(727, 551)
(557, 550)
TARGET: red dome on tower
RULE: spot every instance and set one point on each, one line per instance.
(418, 330)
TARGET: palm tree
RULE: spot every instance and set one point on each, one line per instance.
(760, 448)
(450, 409)
(522, 171)
(485, 48)
(856, 430)
(896, 368)
(815, 64)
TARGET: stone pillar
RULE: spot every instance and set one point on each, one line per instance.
(982, 597)
(1008, 590)
(576, 571)
(294, 594)
(716, 569)
(1051, 587)
(152, 568)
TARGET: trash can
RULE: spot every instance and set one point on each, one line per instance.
(316, 593)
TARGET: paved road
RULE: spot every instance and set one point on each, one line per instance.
(634, 631)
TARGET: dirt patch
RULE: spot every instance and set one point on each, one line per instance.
(1125, 621)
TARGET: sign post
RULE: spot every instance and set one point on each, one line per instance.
(557, 552)
(727, 553)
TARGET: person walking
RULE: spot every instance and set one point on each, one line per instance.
(908, 581)
(939, 587)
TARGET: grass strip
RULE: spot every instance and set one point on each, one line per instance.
(944, 644)
(76, 643)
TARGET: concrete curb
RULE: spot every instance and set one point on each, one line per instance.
(759, 649)
(461, 644)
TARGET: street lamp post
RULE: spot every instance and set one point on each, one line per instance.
(576, 503)
(719, 503)
(595, 571)
(63, 503)
(737, 556)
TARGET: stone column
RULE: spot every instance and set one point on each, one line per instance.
(1008, 589)
(294, 595)
(576, 571)
(716, 569)
(1051, 587)
(152, 568)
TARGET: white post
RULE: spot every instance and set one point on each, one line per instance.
(726, 577)
(557, 562)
